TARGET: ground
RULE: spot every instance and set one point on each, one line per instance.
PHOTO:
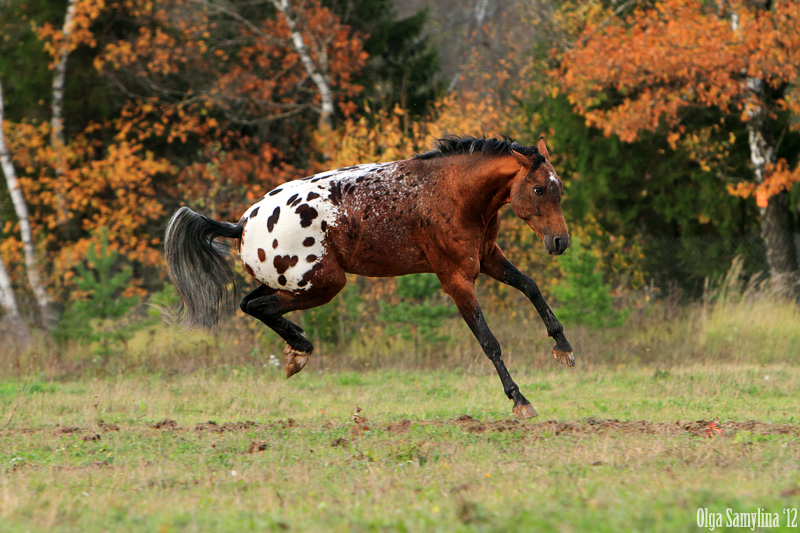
(614, 449)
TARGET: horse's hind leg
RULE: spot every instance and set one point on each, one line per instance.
(500, 268)
(269, 305)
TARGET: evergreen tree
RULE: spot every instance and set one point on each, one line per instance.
(403, 66)
(689, 226)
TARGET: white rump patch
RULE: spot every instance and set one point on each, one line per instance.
(277, 230)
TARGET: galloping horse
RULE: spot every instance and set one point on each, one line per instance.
(436, 212)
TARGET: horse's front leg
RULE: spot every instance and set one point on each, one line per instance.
(462, 290)
(500, 268)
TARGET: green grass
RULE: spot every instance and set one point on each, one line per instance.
(288, 454)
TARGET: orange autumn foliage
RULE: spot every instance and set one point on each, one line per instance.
(102, 187)
(646, 70)
(231, 86)
(86, 12)
(198, 82)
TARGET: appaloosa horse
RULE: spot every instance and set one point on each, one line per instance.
(436, 212)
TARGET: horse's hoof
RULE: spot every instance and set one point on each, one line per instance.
(524, 410)
(294, 360)
(563, 357)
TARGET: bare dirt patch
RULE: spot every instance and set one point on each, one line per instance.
(547, 428)
(167, 423)
(67, 430)
(593, 425)
(231, 427)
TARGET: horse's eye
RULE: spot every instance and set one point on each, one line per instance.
(538, 191)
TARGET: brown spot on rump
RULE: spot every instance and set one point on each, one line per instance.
(299, 199)
(274, 243)
(249, 270)
(335, 196)
(311, 258)
(311, 272)
(282, 279)
(262, 255)
(302, 283)
(324, 225)
(255, 212)
(309, 241)
(307, 215)
(273, 218)
(351, 227)
(312, 195)
(273, 193)
(291, 199)
(282, 263)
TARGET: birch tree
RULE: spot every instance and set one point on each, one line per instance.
(57, 106)
(7, 298)
(21, 209)
(317, 70)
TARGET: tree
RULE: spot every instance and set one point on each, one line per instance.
(645, 71)
(7, 298)
(21, 208)
(403, 66)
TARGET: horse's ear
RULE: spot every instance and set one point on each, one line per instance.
(523, 159)
(542, 147)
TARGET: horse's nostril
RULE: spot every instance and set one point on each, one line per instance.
(557, 243)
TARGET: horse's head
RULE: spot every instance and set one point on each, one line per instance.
(536, 198)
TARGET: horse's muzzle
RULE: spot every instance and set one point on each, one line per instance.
(556, 244)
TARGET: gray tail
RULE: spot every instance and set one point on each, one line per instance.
(198, 266)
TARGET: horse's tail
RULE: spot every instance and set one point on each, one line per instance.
(198, 267)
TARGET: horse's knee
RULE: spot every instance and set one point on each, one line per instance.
(555, 328)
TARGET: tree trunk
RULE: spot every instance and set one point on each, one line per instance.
(317, 74)
(7, 298)
(776, 216)
(57, 140)
(21, 209)
(778, 235)
(17, 326)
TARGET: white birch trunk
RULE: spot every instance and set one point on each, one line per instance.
(21, 209)
(317, 75)
(57, 140)
(776, 218)
(7, 298)
(15, 326)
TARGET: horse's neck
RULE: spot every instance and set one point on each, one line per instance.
(481, 184)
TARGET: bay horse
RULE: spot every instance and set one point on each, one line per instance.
(436, 212)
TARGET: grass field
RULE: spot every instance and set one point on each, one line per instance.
(615, 448)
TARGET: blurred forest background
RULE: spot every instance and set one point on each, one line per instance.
(675, 126)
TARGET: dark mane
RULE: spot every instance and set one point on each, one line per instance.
(455, 145)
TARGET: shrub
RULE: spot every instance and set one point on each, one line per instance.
(418, 313)
(583, 296)
(92, 315)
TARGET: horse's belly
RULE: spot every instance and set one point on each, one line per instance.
(386, 262)
(375, 247)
